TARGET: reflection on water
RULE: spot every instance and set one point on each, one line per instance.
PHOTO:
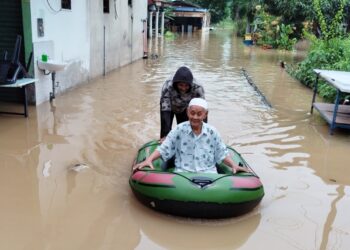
(47, 205)
(170, 232)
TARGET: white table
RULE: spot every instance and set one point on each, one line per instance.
(22, 84)
(336, 115)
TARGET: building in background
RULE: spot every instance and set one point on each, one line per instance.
(182, 17)
(188, 17)
(91, 37)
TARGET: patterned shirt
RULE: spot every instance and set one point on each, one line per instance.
(194, 153)
(172, 100)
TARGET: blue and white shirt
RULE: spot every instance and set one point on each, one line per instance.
(194, 153)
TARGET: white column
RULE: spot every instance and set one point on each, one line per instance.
(150, 24)
(157, 21)
(145, 46)
(189, 28)
(162, 27)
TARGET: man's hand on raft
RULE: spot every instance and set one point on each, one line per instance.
(142, 165)
(236, 169)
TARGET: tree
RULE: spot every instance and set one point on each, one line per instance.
(217, 9)
(243, 8)
(330, 15)
(243, 12)
(294, 12)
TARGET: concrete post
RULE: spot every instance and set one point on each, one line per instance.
(189, 28)
(145, 46)
(162, 25)
(150, 24)
(157, 23)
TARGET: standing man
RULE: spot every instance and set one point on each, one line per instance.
(175, 97)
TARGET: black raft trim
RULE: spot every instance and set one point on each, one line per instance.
(246, 189)
(156, 185)
(152, 184)
(192, 209)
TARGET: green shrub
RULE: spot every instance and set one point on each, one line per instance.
(332, 54)
(283, 40)
(272, 32)
(225, 24)
(170, 35)
(240, 26)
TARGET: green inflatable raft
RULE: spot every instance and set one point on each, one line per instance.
(197, 195)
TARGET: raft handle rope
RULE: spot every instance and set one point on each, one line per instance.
(148, 145)
(245, 164)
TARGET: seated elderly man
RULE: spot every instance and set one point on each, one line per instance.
(197, 146)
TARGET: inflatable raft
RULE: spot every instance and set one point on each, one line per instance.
(197, 195)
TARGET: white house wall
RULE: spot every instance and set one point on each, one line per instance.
(116, 37)
(96, 38)
(139, 16)
(66, 39)
(76, 37)
(124, 34)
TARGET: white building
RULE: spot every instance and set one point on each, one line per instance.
(92, 36)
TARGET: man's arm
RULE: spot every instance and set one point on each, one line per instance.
(148, 162)
(165, 103)
(166, 122)
(235, 168)
(166, 117)
(166, 150)
(199, 90)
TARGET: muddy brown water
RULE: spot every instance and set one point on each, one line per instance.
(47, 204)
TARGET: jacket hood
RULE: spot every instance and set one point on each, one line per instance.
(183, 74)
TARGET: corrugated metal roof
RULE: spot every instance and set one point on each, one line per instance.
(184, 4)
(189, 9)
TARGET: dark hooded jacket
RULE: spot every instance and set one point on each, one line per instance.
(171, 99)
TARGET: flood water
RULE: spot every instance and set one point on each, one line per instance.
(47, 203)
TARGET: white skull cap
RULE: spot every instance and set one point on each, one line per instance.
(199, 102)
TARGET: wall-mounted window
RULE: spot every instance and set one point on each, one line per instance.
(66, 4)
(105, 6)
(130, 3)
